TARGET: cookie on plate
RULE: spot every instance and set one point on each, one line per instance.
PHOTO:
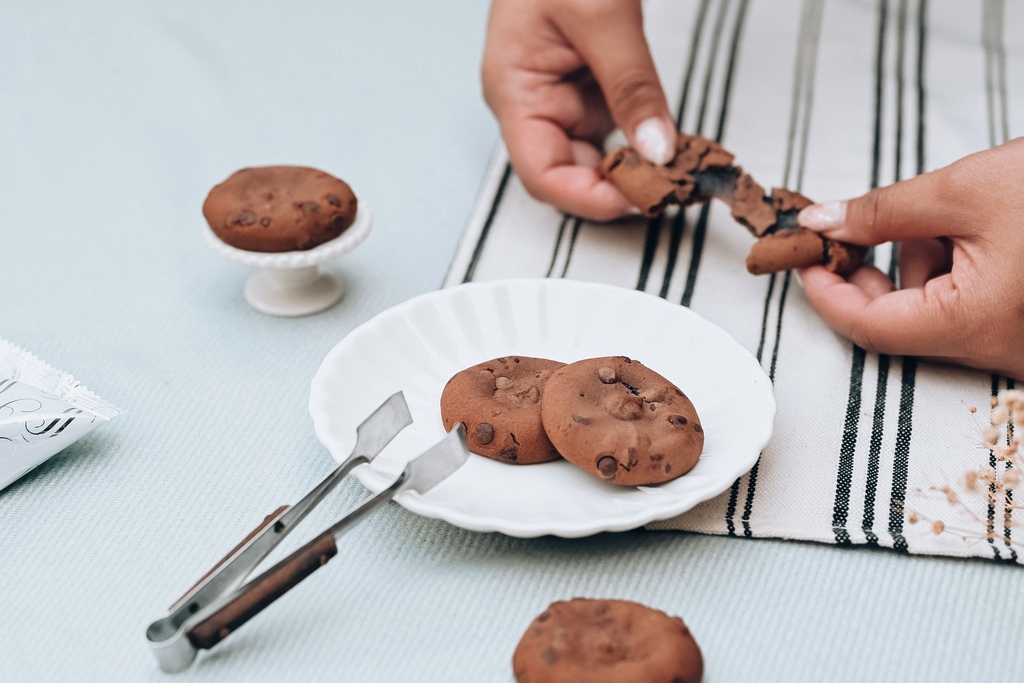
(621, 421)
(279, 208)
(499, 402)
(606, 641)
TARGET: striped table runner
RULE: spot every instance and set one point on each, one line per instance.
(830, 99)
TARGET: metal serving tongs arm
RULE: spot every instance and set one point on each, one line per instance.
(420, 475)
(167, 636)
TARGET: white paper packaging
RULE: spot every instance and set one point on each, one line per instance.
(42, 411)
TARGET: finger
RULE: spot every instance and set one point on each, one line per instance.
(922, 207)
(872, 281)
(584, 114)
(922, 260)
(918, 322)
(560, 171)
(610, 37)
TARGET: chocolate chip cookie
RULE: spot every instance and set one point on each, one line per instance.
(606, 641)
(621, 421)
(702, 170)
(279, 208)
(499, 402)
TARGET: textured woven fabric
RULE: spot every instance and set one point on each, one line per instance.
(829, 101)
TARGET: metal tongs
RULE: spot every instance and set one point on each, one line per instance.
(219, 603)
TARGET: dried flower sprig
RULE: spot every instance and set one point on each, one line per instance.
(995, 480)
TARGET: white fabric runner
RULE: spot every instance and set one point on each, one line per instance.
(830, 99)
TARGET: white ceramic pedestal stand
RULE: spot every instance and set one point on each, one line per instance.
(290, 284)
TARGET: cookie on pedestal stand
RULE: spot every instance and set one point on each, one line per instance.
(286, 221)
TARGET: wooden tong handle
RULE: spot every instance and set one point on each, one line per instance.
(264, 590)
(263, 524)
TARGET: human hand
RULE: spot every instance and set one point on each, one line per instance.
(961, 296)
(559, 75)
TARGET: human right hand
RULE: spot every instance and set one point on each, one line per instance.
(961, 296)
(559, 76)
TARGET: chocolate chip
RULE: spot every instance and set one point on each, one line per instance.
(549, 656)
(697, 428)
(668, 467)
(337, 225)
(311, 207)
(607, 466)
(581, 420)
(657, 457)
(633, 459)
(484, 433)
(502, 382)
(607, 376)
(544, 616)
(677, 420)
(626, 359)
(245, 218)
(334, 200)
(510, 453)
(602, 608)
(265, 222)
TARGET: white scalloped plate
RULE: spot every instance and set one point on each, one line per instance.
(418, 345)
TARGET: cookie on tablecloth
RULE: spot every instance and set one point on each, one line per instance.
(606, 641)
(621, 421)
(499, 402)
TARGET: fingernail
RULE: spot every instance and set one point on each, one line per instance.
(655, 140)
(823, 216)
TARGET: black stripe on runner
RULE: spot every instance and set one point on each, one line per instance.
(748, 506)
(479, 248)
(904, 428)
(803, 90)
(675, 239)
(1008, 492)
(656, 224)
(679, 221)
(698, 31)
(990, 517)
(875, 450)
(651, 240)
(991, 33)
(884, 361)
(847, 448)
(577, 222)
(700, 229)
(848, 444)
(558, 243)
(901, 463)
(1000, 59)
(730, 508)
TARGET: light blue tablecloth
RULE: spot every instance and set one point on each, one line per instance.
(115, 119)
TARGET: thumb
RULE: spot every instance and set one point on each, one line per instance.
(610, 38)
(919, 208)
